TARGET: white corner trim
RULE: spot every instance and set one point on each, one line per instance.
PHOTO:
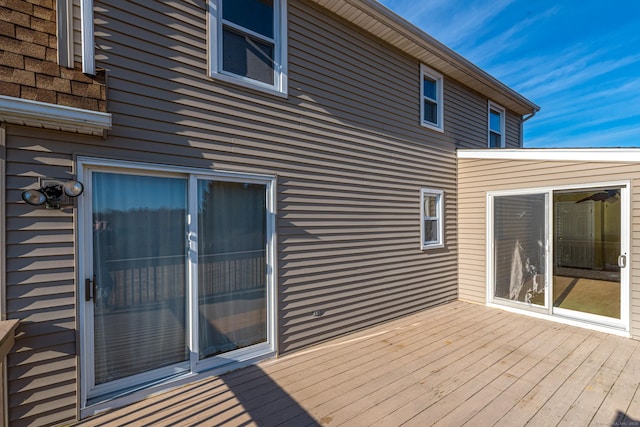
(52, 116)
(555, 154)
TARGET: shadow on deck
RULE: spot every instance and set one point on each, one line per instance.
(456, 364)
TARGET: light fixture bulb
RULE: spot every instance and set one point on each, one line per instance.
(73, 188)
(34, 197)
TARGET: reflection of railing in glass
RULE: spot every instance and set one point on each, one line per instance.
(155, 279)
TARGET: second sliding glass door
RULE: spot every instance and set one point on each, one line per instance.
(562, 252)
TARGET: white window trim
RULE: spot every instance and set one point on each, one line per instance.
(493, 106)
(64, 14)
(239, 358)
(429, 72)
(439, 194)
(214, 40)
(88, 42)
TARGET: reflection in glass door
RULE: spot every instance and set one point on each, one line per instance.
(519, 246)
(232, 288)
(139, 272)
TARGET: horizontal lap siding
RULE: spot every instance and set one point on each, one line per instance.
(512, 129)
(40, 282)
(476, 177)
(346, 146)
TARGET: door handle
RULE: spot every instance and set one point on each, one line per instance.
(90, 289)
(622, 261)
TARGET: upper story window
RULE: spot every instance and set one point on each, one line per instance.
(431, 114)
(247, 40)
(432, 214)
(496, 126)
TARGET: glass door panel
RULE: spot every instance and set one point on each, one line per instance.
(587, 244)
(232, 286)
(139, 267)
(520, 235)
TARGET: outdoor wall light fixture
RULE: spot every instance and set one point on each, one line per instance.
(53, 193)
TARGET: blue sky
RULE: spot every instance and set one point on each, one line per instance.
(578, 60)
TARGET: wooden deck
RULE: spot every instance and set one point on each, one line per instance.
(457, 364)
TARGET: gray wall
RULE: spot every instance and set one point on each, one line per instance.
(346, 146)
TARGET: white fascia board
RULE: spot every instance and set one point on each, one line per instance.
(555, 154)
(52, 116)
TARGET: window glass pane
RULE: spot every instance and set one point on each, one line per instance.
(431, 231)
(139, 257)
(430, 112)
(255, 15)
(495, 122)
(519, 248)
(495, 140)
(248, 57)
(429, 88)
(430, 205)
(231, 266)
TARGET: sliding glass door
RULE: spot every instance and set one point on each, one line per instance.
(177, 270)
(562, 252)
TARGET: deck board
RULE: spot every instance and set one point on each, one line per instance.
(611, 411)
(457, 364)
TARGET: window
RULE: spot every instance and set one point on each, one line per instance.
(496, 126)
(431, 213)
(431, 99)
(248, 43)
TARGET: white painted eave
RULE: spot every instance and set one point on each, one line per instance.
(385, 24)
(51, 116)
(555, 154)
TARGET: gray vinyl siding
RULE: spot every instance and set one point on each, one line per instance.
(512, 129)
(40, 277)
(476, 177)
(346, 146)
(466, 118)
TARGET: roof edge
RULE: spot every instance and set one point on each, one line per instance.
(627, 155)
(423, 47)
(53, 116)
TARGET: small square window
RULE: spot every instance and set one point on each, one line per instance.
(248, 43)
(431, 214)
(431, 110)
(496, 126)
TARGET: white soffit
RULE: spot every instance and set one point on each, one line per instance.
(51, 116)
(380, 21)
(556, 154)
